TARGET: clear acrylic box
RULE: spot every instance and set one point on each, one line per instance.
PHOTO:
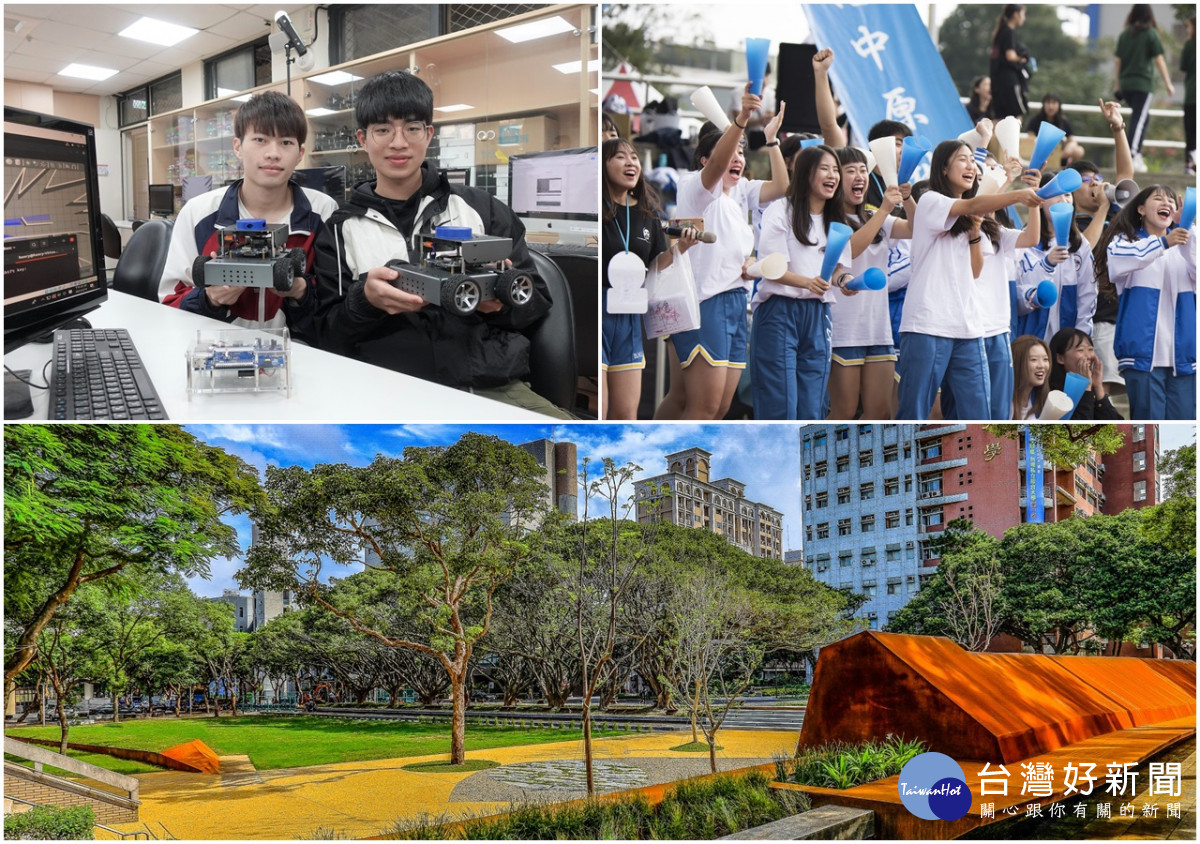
(240, 360)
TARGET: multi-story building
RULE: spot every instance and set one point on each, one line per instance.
(685, 496)
(874, 496)
(243, 614)
(1131, 476)
(560, 461)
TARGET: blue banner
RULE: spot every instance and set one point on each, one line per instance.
(886, 67)
(1034, 466)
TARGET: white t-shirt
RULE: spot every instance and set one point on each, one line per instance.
(777, 236)
(992, 307)
(941, 287)
(864, 319)
(718, 266)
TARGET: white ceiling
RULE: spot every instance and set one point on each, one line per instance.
(50, 36)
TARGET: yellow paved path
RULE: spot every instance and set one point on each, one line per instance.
(359, 799)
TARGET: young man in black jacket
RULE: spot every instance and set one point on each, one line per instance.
(361, 315)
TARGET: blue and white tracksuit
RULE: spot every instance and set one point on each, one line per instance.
(1075, 280)
(1155, 340)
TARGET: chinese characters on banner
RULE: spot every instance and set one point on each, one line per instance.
(1120, 782)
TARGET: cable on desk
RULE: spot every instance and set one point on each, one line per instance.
(30, 384)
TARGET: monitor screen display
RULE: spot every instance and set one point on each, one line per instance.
(561, 184)
(162, 200)
(53, 241)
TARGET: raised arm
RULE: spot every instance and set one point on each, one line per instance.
(980, 205)
(831, 133)
(1116, 124)
(723, 152)
(778, 186)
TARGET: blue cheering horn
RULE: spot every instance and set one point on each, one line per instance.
(1046, 293)
(1074, 385)
(835, 243)
(811, 142)
(1061, 216)
(1189, 209)
(756, 62)
(1049, 136)
(915, 148)
(1067, 181)
(872, 279)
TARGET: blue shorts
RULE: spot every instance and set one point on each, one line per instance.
(858, 355)
(721, 337)
(621, 349)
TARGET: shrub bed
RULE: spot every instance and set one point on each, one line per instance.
(693, 810)
(51, 823)
(843, 765)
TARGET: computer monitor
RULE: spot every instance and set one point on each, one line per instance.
(557, 192)
(562, 184)
(162, 200)
(330, 180)
(457, 175)
(193, 186)
(53, 236)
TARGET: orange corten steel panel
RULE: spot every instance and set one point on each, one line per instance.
(195, 754)
(978, 706)
(1182, 672)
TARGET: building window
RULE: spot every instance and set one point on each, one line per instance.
(822, 499)
(841, 434)
(843, 495)
(358, 31)
(1139, 433)
(929, 518)
(866, 491)
(908, 516)
(844, 558)
(843, 463)
(891, 519)
(868, 523)
(1139, 461)
(844, 527)
(893, 586)
(818, 439)
(930, 488)
(891, 486)
(866, 457)
(1139, 490)
(930, 451)
(908, 483)
(821, 469)
(808, 533)
(868, 589)
(808, 502)
(822, 562)
(892, 554)
(238, 70)
(909, 551)
(907, 450)
(891, 453)
(823, 530)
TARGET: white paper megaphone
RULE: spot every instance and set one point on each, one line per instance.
(870, 158)
(991, 181)
(771, 267)
(706, 103)
(1008, 133)
(884, 150)
(1058, 404)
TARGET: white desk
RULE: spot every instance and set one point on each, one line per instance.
(325, 386)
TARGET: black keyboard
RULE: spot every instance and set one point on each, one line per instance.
(97, 374)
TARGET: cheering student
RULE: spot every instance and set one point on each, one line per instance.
(1072, 351)
(712, 357)
(939, 335)
(790, 345)
(1031, 371)
(630, 226)
(1070, 267)
(1151, 269)
(864, 360)
(1051, 112)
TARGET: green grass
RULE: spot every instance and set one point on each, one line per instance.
(273, 741)
(695, 747)
(447, 768)
(100, 760)
(691, 811)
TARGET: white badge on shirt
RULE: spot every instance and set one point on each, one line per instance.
(626, 274)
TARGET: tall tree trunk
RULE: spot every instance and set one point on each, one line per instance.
(116, 704)
(25, 648)
(587, 742)
(64, 726)
(458, 720)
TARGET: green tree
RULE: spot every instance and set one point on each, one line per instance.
(448, 524)
(65, 658)
(1173, 522)
(83, 503)
(1066, 445)
(632, 32)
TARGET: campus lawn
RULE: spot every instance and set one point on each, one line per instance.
(291, 742)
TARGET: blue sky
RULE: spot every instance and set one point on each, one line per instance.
(764, 457)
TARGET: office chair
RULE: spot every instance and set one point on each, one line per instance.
(111, 237)
(552, 361)
(141, 265)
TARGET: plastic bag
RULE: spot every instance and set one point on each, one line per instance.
(673, 303)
